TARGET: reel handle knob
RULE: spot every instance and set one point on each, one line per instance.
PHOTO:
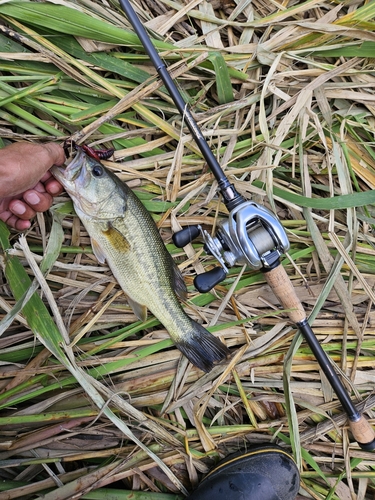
(205, 281)
(185, 236)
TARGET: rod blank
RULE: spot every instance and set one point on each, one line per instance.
(173, 91)
(230, 195)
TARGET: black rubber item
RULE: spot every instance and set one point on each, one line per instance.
(265, 472)
(204, 282)
(185, 236)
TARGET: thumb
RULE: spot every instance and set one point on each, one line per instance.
(56, 153)
(23, 164)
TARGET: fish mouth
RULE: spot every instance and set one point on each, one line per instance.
(75, 177)
(68, 174)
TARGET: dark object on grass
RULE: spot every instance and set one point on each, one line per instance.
(265, 472)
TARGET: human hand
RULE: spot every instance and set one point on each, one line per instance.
(26, 185)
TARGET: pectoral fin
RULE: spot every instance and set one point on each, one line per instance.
(97, 251)
(116, 238)
(139, 310)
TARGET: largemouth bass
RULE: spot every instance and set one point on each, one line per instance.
(124, 234)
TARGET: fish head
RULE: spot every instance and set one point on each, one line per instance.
(96, 192)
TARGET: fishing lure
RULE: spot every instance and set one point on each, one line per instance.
(97, 154)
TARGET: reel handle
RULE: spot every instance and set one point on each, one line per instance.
(205, 281)
(185, 236)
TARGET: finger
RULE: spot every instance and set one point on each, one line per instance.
(5, 214)
(38, 201)
(21, 224)
(21, 210)
(46, 177)
(53, 187)
(38, 187)
(50, 184)
(13, 221)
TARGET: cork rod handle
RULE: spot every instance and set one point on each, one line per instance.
(284, 290)
(363, 433)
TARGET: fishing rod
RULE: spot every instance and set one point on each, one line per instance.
(250, 235)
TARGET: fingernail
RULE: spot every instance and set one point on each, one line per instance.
(18, 208)
(32, 198)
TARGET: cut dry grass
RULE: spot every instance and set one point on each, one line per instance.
(92, 399)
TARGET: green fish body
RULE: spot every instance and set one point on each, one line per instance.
(124, 235)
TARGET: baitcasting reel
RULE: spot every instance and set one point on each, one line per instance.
(251, 235)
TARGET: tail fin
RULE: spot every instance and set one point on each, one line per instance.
(202, 348)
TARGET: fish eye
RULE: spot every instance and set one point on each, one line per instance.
(97, 171)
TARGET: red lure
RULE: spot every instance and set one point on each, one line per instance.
(97, 154)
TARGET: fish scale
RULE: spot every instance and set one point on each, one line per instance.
(124, 235)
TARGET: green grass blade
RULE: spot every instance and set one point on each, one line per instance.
(336, 202)
(72, 21)
(223, 83)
